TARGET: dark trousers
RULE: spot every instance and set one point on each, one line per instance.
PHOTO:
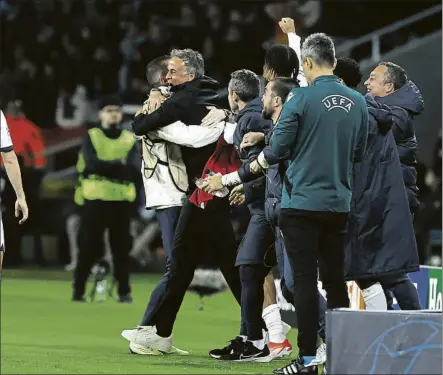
(252, 280)
(199, 233)
(313, 238)
(255, 257)
(96, 216)
(401, 287)
(167, 220)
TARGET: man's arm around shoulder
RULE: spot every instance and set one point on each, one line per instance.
(170, 111)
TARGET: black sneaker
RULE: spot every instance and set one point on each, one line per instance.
(231, 352)
(298, 366)
(125, 298)
(254, 354)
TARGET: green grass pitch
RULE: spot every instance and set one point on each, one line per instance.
(43, 332)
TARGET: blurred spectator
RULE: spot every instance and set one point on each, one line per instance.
(73, 108)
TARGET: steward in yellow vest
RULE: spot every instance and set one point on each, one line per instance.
(107, 168)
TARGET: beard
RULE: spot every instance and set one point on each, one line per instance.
(266, 114)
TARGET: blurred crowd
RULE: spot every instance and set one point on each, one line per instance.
(60, 56)
(74, 51)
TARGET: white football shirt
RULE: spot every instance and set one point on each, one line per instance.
(5, 136)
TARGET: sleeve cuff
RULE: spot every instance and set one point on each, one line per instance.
(231, 179)
(262, 161)
(7, 149)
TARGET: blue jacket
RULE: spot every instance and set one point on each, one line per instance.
(249, 119)
(380, 238)
(406, 103)
(322, 130)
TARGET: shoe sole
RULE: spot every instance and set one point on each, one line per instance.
(279, 353)
(143, 350)
(266, 359)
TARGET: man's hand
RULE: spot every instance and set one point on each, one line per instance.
(21, 206)
(213, 183)
(237, 196)
(214, 116)
(141, 110)
(154, 101)
(287, 25)
(255, 167)
(252, 139)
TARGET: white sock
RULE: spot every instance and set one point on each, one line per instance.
(259, 344)
(243, 337)
(272, 318)
(374, 298)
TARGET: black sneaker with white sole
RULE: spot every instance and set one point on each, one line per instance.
(299, 366)
(254, 354)
(230, 352)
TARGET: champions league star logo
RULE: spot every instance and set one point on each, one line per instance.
(402, 356)
(338, 101)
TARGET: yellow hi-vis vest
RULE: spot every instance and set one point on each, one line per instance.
(78, 195)
(95, 187)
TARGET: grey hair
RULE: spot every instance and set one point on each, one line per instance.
(394, 74)
(193, 61)
(245, 84)
(320, 48)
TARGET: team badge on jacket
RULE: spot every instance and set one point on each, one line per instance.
(337, 101)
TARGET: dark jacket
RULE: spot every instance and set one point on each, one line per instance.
(187, 104)
(248, 120)
(380, 237)
(405, 104)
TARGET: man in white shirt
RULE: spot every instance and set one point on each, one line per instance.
(13, 172)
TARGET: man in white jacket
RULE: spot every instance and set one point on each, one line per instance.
(165, 178)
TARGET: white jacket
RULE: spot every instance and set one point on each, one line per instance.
(160, 189)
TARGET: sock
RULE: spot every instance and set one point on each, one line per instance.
(272, 318)
(243, 337)
(374, 298)
(259, 344)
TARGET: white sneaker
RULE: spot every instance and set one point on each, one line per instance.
(143, 350)
(148, 338)
(320, 355)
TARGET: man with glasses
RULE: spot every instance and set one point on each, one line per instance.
(108, 168)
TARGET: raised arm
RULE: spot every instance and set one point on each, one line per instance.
(288, 27)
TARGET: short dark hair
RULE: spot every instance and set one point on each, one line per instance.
(394, 74)
(282, 86)
(109, 100)
(349, 71)
(320, 48)
(245, 84)
(282, 60)
(156, 69)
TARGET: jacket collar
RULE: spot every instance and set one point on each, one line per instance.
(325, 79)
